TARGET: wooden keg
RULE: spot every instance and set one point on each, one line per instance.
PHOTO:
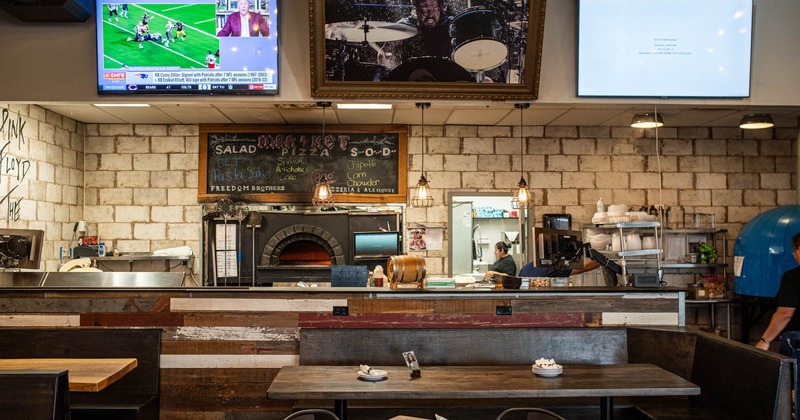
(405, 268)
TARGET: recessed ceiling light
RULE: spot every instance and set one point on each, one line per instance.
(364, 106)
(123, 105)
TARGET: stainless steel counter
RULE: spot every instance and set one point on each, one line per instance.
(91, 280)
(21, 278)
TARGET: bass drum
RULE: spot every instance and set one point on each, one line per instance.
(368, 72)
(406, 268)
(478, 36)
(429, 69)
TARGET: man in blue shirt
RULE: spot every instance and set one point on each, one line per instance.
(528, 270)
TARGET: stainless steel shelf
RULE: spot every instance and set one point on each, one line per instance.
(639, 253)
(144, 256)
(688, 265)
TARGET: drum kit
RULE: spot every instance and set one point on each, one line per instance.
(482, 41)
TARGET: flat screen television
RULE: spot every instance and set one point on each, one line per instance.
(664, 48)
(186, 47)
(378, 244)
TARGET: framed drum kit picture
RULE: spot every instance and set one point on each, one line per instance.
(438, 49)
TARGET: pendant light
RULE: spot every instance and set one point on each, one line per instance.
(756, 121)
(647, 120)
(522, 197)
(421, 196)
(323, 196)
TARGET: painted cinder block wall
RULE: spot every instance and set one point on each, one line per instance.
(141, 179)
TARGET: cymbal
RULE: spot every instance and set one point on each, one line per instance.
(370, 31)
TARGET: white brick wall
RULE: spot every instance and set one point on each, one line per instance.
(142, 179)
(47, 192)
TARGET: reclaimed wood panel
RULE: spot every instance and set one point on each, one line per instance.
(220, 414)
(255, 305)
(26, 320)
(231, 342)
(228, 361)
(230, 333)
(595, 304)
(426, 306)
(208, 347)
(105, 319)
(216, 390)
(617, 318)
(229, 347)
(254, 404)
(529, 320)
(71, 305)
(281, 319)
(211, 375)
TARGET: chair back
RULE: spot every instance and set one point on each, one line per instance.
(532, 414)
(311, 413)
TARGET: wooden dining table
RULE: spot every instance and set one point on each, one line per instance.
(341, 383)
(85, 375)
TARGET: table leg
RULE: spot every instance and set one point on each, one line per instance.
(606, 408)
(728, 320)
(713, 318)
(340, 409)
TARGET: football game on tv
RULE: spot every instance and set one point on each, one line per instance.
(187, 47)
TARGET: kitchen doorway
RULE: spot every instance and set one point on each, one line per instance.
(479, 221)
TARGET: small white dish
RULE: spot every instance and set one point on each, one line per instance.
(548, 373)
(373, 375)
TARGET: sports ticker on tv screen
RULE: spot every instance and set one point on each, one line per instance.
(185, 47)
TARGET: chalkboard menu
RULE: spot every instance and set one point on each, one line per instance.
(279, 163)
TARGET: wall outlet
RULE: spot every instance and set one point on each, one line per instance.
(340, 311)
(503, 310)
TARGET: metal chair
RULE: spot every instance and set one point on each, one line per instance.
(540, 413)
(312, 411)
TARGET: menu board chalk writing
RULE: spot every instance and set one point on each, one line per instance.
(283, 163)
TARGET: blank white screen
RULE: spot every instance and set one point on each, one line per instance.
(664, 48)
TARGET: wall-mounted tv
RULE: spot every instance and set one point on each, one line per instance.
(379, 244)
(187, 47)
(664, 48)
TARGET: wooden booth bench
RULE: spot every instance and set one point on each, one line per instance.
(134, 396)
(737, 381)
(34, 394)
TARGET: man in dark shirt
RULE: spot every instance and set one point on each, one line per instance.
(504, 265)
(786, 317)
(528, 270)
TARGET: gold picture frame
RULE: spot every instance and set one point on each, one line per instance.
(343, 65)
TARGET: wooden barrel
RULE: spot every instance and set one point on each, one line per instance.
(405, 268)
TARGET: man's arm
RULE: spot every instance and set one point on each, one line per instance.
(588, 265)
(779, 320)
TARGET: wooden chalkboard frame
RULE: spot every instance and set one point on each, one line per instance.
(203, 196)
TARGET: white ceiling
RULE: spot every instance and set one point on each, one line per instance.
(440, 113)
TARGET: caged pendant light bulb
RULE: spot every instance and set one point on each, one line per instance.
(522, 197)
(323, 196)
(421, 196)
